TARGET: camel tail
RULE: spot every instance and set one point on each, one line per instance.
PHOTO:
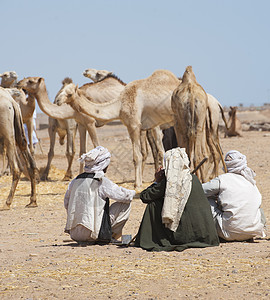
(223, 117)
(18, 127)
(21, 140)
(210, 139)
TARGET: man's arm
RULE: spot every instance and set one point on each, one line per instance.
(108, 189)
(154, 192)
(211, 188)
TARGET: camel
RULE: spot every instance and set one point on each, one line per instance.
(64, 128)
(234, 127)
(27, 105)
(37, 87)
(142, 105)
(96, 75)
(104, 91)
(9, 79)
(11, 129)
(194, 127)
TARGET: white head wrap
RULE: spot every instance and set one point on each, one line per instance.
(178, 187)
(96, 160)
(236, 162)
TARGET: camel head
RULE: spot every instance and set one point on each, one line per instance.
(232, 111)
(8, 78)
(67, 90)
(31, 84)
(96, 75)
(59, 98)
(189, 76)
(66, 93)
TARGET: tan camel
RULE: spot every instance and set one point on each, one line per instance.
(142, 105)
(37, 87)
(103, 91)
(27, 105)
(194, 128)
(234, 127)
(64, 128)
(96, 75)
(11, 129)
(9, 79)
(154, 136)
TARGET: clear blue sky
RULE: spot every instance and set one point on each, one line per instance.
(226, 42)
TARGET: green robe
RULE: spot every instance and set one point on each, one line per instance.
(195, 230)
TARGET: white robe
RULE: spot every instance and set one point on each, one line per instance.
(85, 201)
(235, 204)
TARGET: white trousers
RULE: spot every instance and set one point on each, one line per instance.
(119, 214)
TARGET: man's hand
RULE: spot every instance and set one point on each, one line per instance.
(160, 174)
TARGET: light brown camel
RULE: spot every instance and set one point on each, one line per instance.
(64, 128)
(154, 136)
(194, 127)
(104, 91)
(11, 129)
(96, 75)
(27, 105)
(234, 124)
(37, 87)
(142, 105)
(9, 79)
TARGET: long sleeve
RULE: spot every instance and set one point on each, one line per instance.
(154, 192)
(108, 189)
(212, 188)
(67, 194)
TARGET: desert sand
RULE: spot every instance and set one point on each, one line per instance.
(39, 261)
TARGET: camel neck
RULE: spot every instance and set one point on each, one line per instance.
(52, 110)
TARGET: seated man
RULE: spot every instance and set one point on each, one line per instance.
(178, 215)
(89, 216)
(235, 200)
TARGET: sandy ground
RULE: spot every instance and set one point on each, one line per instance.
(38, 261)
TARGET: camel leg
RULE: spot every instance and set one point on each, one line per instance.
(52, 135)
(11, 153)
(93, 133)
(144, 148)
(70, 151)
(212, 141)
(153, 146)
(83, 138)
(134, 133)
(30, 130)
(5, 169)
(158, 138)
(32, 170)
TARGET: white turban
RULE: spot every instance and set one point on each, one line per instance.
(96, 160)
(236, 162)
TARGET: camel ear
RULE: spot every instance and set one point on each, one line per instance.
(40, 80)
(76, 88)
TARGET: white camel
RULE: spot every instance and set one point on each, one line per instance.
(142, 105)
(11, 129)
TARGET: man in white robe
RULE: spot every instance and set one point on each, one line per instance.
(235, 201)
(89, 216)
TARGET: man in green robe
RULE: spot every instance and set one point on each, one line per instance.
(178, 214)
